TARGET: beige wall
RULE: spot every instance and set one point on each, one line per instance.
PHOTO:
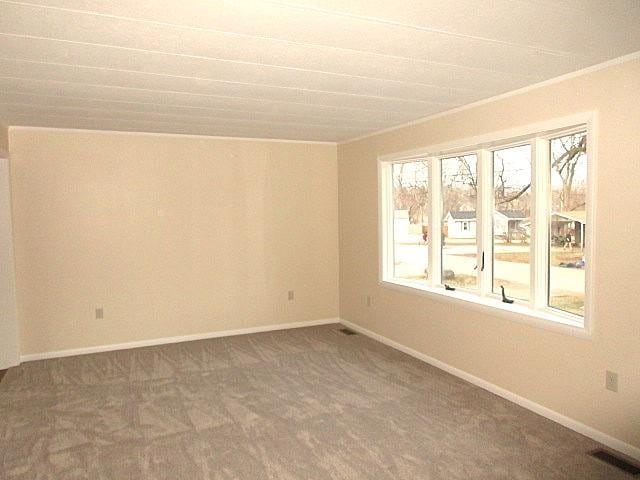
(170, 235)
(561, 372)
(4, 141)
(9, 349)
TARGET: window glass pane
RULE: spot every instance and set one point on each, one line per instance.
(459, 226)
(512, 221)
(410, 220)
(568, 223)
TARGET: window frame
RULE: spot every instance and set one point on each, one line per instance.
(535, 311)
(474, 289)
(532, 302)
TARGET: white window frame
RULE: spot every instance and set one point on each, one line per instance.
(536, 311)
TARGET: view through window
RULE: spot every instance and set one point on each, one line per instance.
(512, 221)
(568, 222)
(487, 203)
(459, 248)
(411, 204)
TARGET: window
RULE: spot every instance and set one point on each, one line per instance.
(458, 242)
(513, 223)
(568, 226)
(411, 203)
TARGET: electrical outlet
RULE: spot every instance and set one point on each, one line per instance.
(611, 381)
(291, 295)
(99, 313)
(368, 300)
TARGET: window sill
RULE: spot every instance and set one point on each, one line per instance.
(547, 319)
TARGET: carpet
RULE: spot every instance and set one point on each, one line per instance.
(308, 403)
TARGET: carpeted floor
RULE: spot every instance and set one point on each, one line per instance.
(308, 403)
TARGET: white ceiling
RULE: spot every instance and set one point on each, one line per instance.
(325, 70)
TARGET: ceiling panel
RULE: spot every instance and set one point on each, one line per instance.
(511, 21)
(321, 33)
(153, 126)
(41, 88)
(560, 26)
(8, 99)
(204, 87)
(344, 68)
(302, 69)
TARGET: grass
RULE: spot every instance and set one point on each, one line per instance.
(558, 256)
(567, 302)
(462, 281)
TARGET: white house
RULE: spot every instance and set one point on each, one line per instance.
(570, 222)
(508, 222)
(460, 225)
(404, 231)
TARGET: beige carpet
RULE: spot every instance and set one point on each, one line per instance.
(299, 404)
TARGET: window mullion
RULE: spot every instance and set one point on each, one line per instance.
(540, 223)
(485, 222)
(435, 222)
(386, 220)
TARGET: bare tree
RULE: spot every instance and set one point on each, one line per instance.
(499, 180)
(508, 194)
(411, 191)
(459, 183)
(565, 162)
(469, 174)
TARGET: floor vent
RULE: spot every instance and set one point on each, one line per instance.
(347, 331)
(616, 461)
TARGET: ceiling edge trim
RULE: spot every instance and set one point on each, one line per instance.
(162, 134)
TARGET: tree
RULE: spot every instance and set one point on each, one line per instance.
(411, 190)
(511, 193)
(567, 153)
(459, 183)
(512, 186)
(512, 181)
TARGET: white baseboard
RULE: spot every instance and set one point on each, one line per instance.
(166, 340)
(598, 436)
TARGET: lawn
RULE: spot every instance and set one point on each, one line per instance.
(558, 256)
(411, 260)
(569, 303)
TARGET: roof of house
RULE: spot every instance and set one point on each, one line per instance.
(471, 215)
(575, 215)
(514, 214)
(464, 215)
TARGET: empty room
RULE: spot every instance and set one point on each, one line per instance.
(316, 239)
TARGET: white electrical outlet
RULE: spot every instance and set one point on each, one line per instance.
(611, 381)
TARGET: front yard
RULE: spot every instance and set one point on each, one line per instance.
(511, 269)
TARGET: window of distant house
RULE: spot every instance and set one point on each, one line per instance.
(504, 224)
